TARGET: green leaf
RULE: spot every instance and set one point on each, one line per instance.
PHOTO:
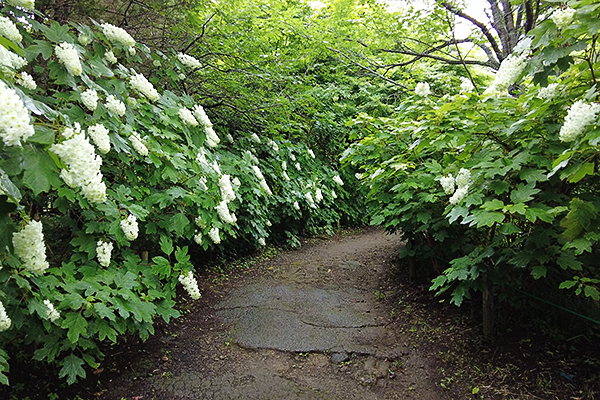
(161, 267)
(579, 218)
(178, 223)
(567, 284)
(42, 135)
(538, 271)
(166, 245)
(582, 171)
(104, 312)
(104, 330)
(484, 218)
(591, 291)
(40, 171)
(523, 194)
(76, 325)
(493, 205)
(71, 368)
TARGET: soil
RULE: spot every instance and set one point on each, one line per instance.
(335, 319)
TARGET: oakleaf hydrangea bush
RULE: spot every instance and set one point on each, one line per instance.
(500, 191)
(110, 176)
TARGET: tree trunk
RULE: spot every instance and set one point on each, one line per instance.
(487, 308)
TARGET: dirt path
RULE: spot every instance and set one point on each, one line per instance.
(307, 326)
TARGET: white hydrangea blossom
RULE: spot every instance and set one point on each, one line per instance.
(187, 117)
(51, 312)
(563, 18)
(200, 115)
(460, 194)
(463, 178)
(84, 39)
(212, 139)
(229, 137)
(189, 61)
(311, 153)
(99, 135)
(116, 34)
(268, 223)
(15, 125)
(298, 167)
(252, 157)
(261, 179)
(216, 168)
(236, 182)
(508, 73)
(255, 138)
(358, 176)
(308, 196)
(257, 172)
(466, 85)
(5, 321)
(422, 89)
(548, 92)
(292, 157)
(156, 63)
(115, 105)
(89, 98)
(200, 222)
(190, 285)
(9, 61)
(137, 144)
(447, 183)
(214, 235)
(318, 195)
(130, 227)
(333, 194)
(284, 165)
(131, 50)
(198, 238)
(262, 242)
(580, 115)
(28, 4)
(110, 58)
(67, 54)
(103, 252)
(181, 76)
(9, 30)
(224, 214)
(29, 246)
(273, 145)
(338, 180)
(227, 193)
(139, 83)
(27, 81)
(285, 176)
(83, 167)
(296, 205)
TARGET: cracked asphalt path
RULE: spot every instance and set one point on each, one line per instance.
(309, 325)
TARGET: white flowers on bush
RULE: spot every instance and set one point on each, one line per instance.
(181, 76)
(110, 58)
(285, 176)
(466, 85)
(103, 252)
(67, 54)
(224, 213)
(447, 183)
(227, 193)
(214, 235)
(27, 81)
(15, 124)
(99, 135)
(462, 181)
(255, 138)
(296, 205)
(262, 242)
(318, 195)
(139, 83)
(189, 61)
(137, 144)
(580, 115)
(5, 321)
(28, 4)
(311, 153)
(83, 166)
(508, 73)
(273, 145)
(200, 222)
(51, 312)
(84, 39)
(463, 178)
(116, 34)
(422, 89)
(198, 238)
(261, 179)
(563, 18)
(9, 30)
(333, 194)
(89, 98)
(212, 140)
(308, 196)
(187, 117)
(190, 285)
(338, 180)
(10, 61)
(548, 92)
(115, 105)
(200, 115)
(460, 194)
(297, 165)
(29, 246)
(130, 227)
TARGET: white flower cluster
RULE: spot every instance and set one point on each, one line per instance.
(83, 166)
(137, 144)
(130, 227)
(311, 153)
(296, 205)
(508, 73)
(261, 179)
(255, 138)
(190, 285)
(318, 195)
(5, 321)
(89, 98)
(14, 118)
(212, 139)
(285, 176)
(214, 235)
(548, 92)
(67, 55)
(29, 246)
(563, 18)
(28, 4)
(156, 63)
(198, 238)
(580, 115)
(187, 117)
(27, 81)
(84, 39)
(10, 61)
(51, 312)
(181, 76)
(262, 242)
(189, 61)
(200, 114)
(110, 58)
(116, 34)
(422, 89)
(227, 193)
(311, 202)
(99, 135)
(103, 251)
(333, 194)
(273, 145)
(466, 85)
(252, 157)
(224, 214)
(141, 84)
(338, 180)
(462, 181)
(297, 166)
(9, 30)
(115, 106)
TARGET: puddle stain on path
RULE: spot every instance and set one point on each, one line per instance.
(310, 327)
